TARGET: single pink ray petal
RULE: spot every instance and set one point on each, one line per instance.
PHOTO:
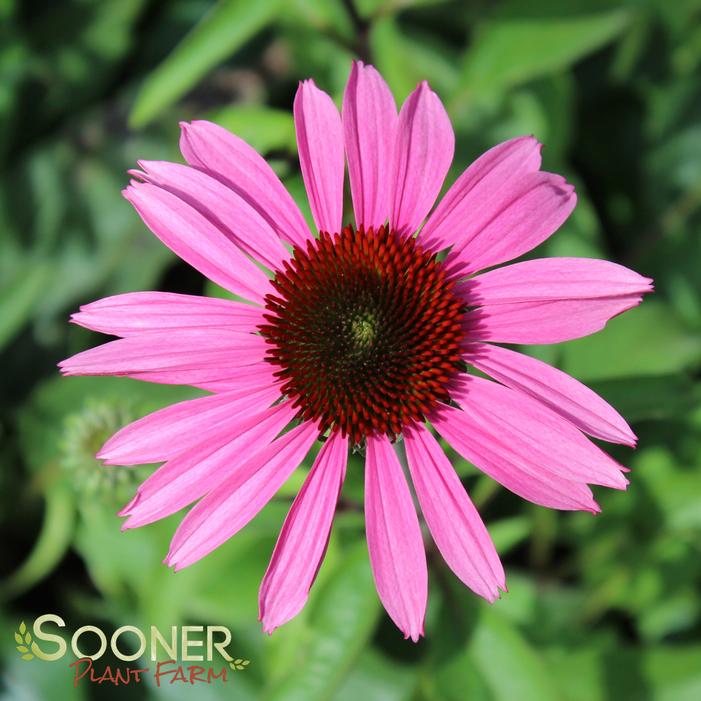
(199, 470)
(320, 147)
(137, 313)
(236, 500)
(545, 321)
(303, 539)
(224, 208)
(422, 156)
(455, 525)
(230, 159)
(553, 279)
(188, 356)
(511, 463)
(523, 215)
(554, 388)
(370, 129)
(197, 241)
(164, 434)
(472, 197)
(394, 539)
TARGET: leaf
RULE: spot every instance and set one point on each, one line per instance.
(221, 32)
(509, 532)
(526, 40)
(662, 673)
(18, 638)
(28, 656)
(674, 672)
(456, 679)
(648, 340)
(23, 648)
(19, 293)
(22, 628)
(264, 128)
(341, 624)
(405, 60)
(578, 674)
(377, 677)
(655, 397)
(511, 667)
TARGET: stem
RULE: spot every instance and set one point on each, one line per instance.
(50, 546)
(362, 31)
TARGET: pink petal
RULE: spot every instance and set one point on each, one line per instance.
(303, 538)
(228, 211)
(472, 197)
(545, 321)
(517, 440)
(230, 159)
(394, 539)
(197, 241)
(236, 500)
(201, 469)
(554, 388)
(553, 279)
(188, 356)
(238, 378)
(525, 213)
(549, 300)
(423, 153)
(320, 146)
(454, 523)
(164, 434)
(137, 313)
(369, 127)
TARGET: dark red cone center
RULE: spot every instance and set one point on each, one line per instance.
(366, 331)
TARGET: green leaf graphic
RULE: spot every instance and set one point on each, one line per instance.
(24, 636)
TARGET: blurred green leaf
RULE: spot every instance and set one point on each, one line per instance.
(664, 673)
(264, 128)
(648, 340)
(405, 59)
(525, 40)
(509, 532)
(18, 295)
(227, 27)
(511, 667)
(377, 678)
(650, 397)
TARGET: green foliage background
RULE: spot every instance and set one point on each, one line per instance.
(599, 608)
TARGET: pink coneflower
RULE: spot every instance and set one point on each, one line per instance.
(358, 337)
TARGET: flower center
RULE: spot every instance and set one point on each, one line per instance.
(365, 329)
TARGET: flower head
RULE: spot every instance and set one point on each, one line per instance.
(359, 336)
